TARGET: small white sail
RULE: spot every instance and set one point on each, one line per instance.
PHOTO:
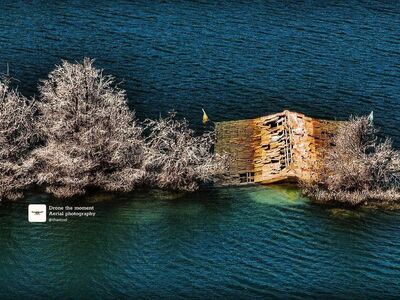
(205, 117)
(371, 116)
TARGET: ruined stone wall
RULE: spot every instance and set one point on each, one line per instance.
(309, 138)
(279, 147)
(236, 138)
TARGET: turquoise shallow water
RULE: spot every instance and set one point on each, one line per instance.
(239, 243)
(237, 59)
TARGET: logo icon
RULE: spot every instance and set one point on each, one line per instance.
(37, 213)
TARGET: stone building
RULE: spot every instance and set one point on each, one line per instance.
(281, 147)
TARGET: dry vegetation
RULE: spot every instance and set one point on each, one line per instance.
(88, 138)
(80, 134)
(358, 169)
(91, 137)
(17, 137)
(177, 159)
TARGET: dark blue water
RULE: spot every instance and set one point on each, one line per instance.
(236, 59)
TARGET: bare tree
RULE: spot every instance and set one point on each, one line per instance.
(91, 137)
(358, 168)
(17, 136)
(88, 138)
(177, 159)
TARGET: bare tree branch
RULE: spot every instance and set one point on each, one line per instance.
(358, 168)
(91, 137)
(17, 137)
(176, 159)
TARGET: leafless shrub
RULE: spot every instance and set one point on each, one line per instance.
(358, 168)
(91, 137)
(17, 135)
(176, 159)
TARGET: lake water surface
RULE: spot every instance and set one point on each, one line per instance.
(237, 59)
(237, 243)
